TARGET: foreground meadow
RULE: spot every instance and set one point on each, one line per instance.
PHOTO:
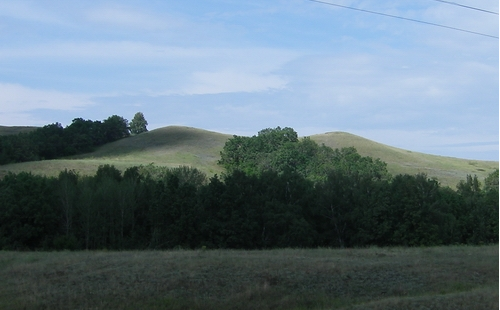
(456, 277)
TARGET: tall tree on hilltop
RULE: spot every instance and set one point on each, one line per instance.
(114, 128)
(138, 124)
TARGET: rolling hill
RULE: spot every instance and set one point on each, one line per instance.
(173, 146)
(448, 170)
(14, 130)
(170, 146)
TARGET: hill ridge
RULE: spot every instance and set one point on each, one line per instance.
(177, 145)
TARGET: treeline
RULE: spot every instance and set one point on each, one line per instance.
(159, 208)
(278, 191)
(53, 141)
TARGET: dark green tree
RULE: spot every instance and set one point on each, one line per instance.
(29, 218)
(471, 222)
(90, 220)
(417, 211)
(114, 128)
(239, 154)
(81, 136)
(491, 181)
(281, 151)
(491, 201)
(479, 218)
(50, 140)
(138, 124)
(174, 215)
(108, 171)
(67, 192)
(216, 211)
(18, 148)
(252, 155)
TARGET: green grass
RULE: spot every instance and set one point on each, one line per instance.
(14, 130)
(455, 277)
(171, 146)
(174, 146)
(448, 170)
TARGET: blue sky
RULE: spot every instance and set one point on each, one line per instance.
(237, 67)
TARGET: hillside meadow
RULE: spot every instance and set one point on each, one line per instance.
(175, 146)
(14, 130)
(448, 170)
(454, 277)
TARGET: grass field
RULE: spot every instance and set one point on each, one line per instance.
(455, 277)
(173, 146)
(14, 130)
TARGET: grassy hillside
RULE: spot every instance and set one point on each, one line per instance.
(448, 170)
(171, 146)
(175, 145)
(14, 130)
(455, 277)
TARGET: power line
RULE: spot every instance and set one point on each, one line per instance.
(403, 18)
(468, 7)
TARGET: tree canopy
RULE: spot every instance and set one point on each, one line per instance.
(164, 208)
(138, 124)
(53, 141)
(281, 150)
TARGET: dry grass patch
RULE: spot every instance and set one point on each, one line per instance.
(275, 279)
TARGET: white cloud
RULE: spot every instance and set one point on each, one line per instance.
(463, 18)
(167, 69)
(131, 18)
(231, 81)
(17, 98)
(361, 80)
(21, 119)
(129, 53)
(126, 52)
(27, 11)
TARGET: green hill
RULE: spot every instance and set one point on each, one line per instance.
(170, 146)
(173, 146)
(448, 170)
(14, 130)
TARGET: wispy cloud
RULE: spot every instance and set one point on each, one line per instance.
(231, 81)
(132, 18)
(347, 80)
(17, 98)
(453, 16)
(27, 11)
(111, 51)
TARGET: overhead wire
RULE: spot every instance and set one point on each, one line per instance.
(466, 6)
(404, 18)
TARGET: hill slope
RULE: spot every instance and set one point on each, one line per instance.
(14, 130)
(170, 146)
(448, 170)
(173, 146)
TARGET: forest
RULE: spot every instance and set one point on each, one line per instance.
(54, 141)
(278, 191)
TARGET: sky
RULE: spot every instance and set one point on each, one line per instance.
(237, 67)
